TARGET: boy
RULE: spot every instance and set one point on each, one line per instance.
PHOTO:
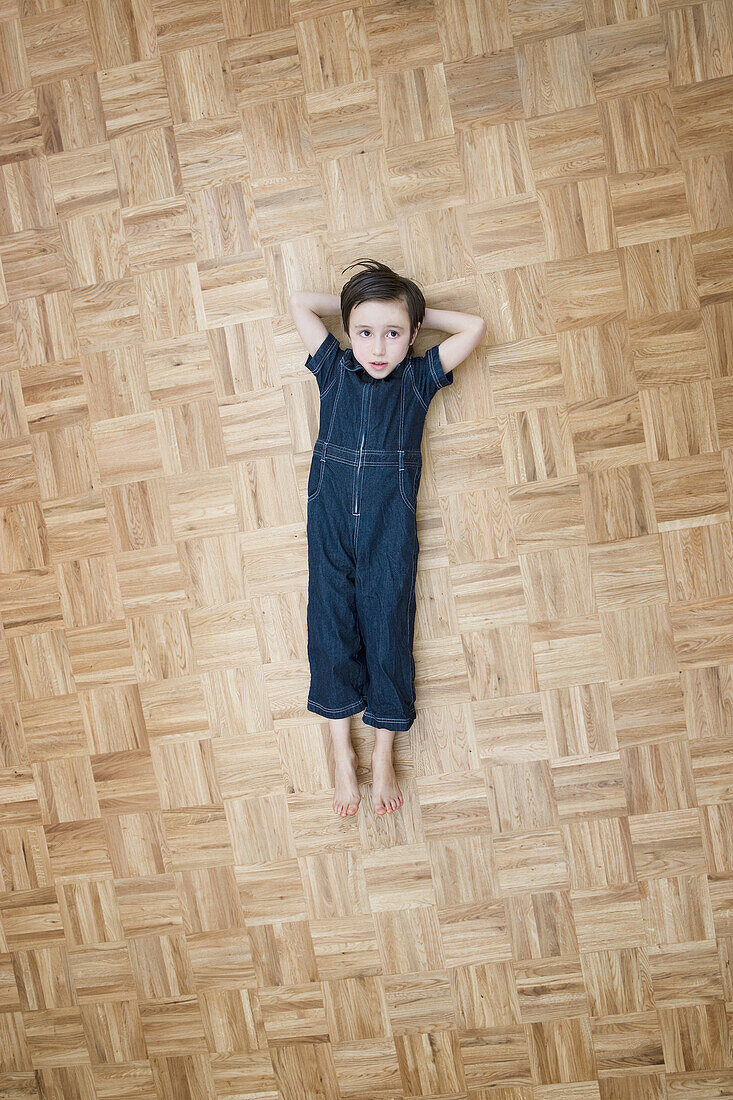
(362, 499)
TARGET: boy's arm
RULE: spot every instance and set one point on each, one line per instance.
(469, 330)
(305, 308)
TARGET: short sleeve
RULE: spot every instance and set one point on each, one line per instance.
(428, 374)
(323, 364)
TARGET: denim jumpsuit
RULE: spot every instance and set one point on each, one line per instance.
(362, 534)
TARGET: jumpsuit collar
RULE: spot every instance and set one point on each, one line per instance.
(349, 361)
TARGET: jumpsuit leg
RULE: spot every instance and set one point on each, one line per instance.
(387, 553)
(336, 655)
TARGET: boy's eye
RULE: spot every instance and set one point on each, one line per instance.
(393, 330)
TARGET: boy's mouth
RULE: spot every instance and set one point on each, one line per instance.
(378, 365)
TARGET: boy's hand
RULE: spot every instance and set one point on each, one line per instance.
(305, 309)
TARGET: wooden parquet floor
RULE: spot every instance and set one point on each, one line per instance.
(550, 915)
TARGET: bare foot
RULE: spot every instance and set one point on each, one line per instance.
(346, 796)
(386, 794)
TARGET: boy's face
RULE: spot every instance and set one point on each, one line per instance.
(379, 334)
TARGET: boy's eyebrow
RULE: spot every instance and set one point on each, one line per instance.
(363, 324)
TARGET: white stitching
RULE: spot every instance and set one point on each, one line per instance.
(416, 390)
(393, 718)
(329, 387)
(317, 490)
(407, 502)
(320, 355)
(440, 375)
(337, 710)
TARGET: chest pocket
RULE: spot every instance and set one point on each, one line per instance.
(409, 485)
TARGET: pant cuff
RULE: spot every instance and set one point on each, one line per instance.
(398, 725)
(340, 712)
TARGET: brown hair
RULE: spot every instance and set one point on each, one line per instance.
(385, 285)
